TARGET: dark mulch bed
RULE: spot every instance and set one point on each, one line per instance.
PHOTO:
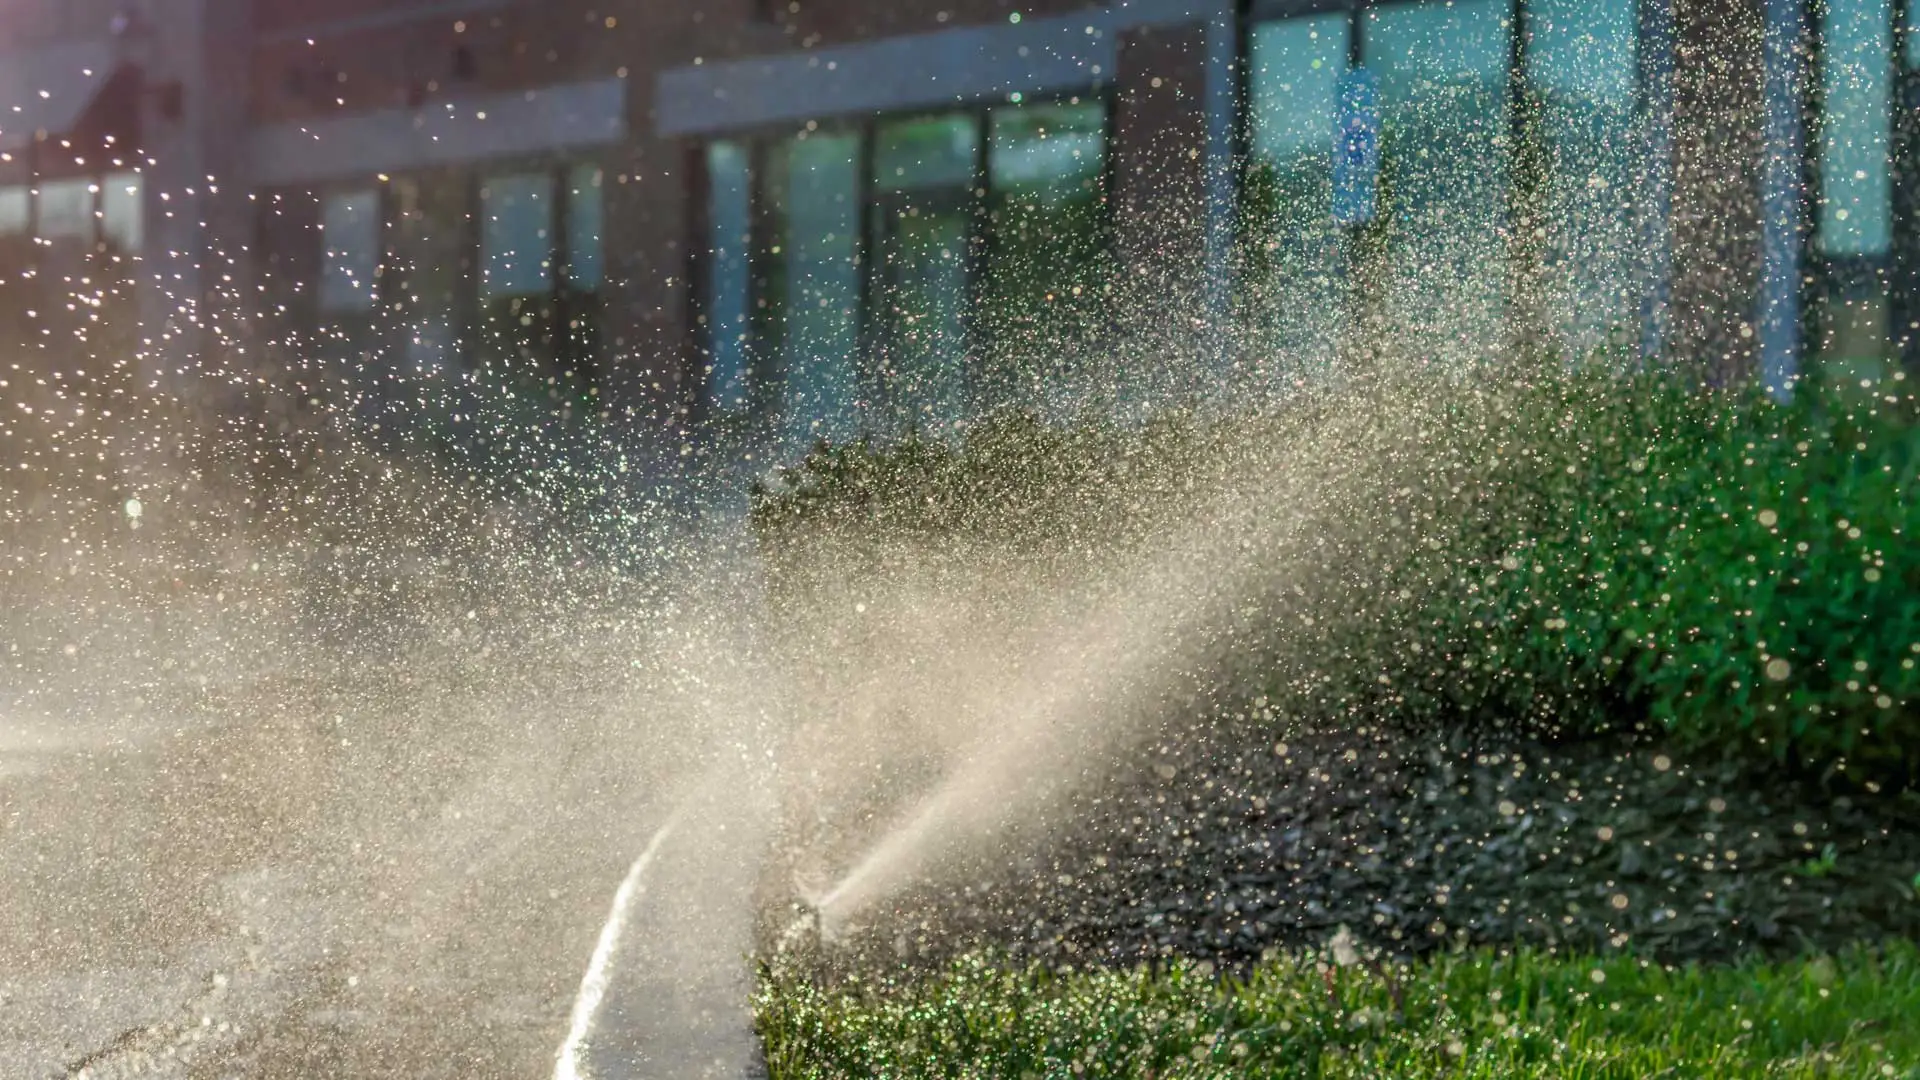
(1227, 847)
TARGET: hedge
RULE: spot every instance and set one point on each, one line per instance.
(1573, 550)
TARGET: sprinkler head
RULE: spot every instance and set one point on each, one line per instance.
(802, 935)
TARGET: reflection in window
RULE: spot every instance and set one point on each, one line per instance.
(585, 268)
(15, 207)
(517, 297)
(933, 152)
(350, 231)
(66, 210)
(922, 229)
(1856, 180)
(1444, 108)
(1045, 167)
(1051, 153)
(586, 221)
(730, 226)
(516, 236)
(1582, 61)
(1293, 291)
(1854, 221)
(428, 250)
(810, 292)
(122, 212)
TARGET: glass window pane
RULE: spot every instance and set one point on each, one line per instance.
(728, 284)
(66, 210)
(1444, 109)
(1046, 164)
(429, 253)
(932, 152)
(922, 228)
(516, 236)
(586, 220)
(350, 231)
(1853, 230)
(1856, 91)
(1296, 69)
(1051, 151)
(1583, 58)
(812, 286)
(123, 211)
(14, 211)
(1293, 297)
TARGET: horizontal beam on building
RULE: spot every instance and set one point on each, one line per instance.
(972, 63)
(326, 26)
(567, 116)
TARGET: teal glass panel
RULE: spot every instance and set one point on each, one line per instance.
(1583, 64)
(1294, 292)
(1446, 172)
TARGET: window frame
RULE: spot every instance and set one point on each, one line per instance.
(1527, 190)
(1824, 276)
(765, 381)
(574, 348)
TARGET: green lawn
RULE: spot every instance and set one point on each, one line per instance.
(1478, 1015)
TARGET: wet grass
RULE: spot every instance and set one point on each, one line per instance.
(1477, 1015)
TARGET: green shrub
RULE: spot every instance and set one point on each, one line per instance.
(1732, 568)
(1572, 551)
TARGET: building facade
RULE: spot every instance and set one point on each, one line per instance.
(791, 219)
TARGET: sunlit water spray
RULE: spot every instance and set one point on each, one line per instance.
(1274, 536)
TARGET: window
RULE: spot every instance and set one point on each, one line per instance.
(15, 208)
(729, 231)
(1292, 296)
(516, 236)
(807, 312)
(429, 256)
(1854, 213)
(66, 210)
(1856, 92)
(1046, 166)
(581, 308)
(902, 273)
(350, 231)
(1434, 267)
(518, 304)
(542, 267)
(922, 229)
(1444, 75)
(586, 221)
(1583, 65)
(123, 212)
